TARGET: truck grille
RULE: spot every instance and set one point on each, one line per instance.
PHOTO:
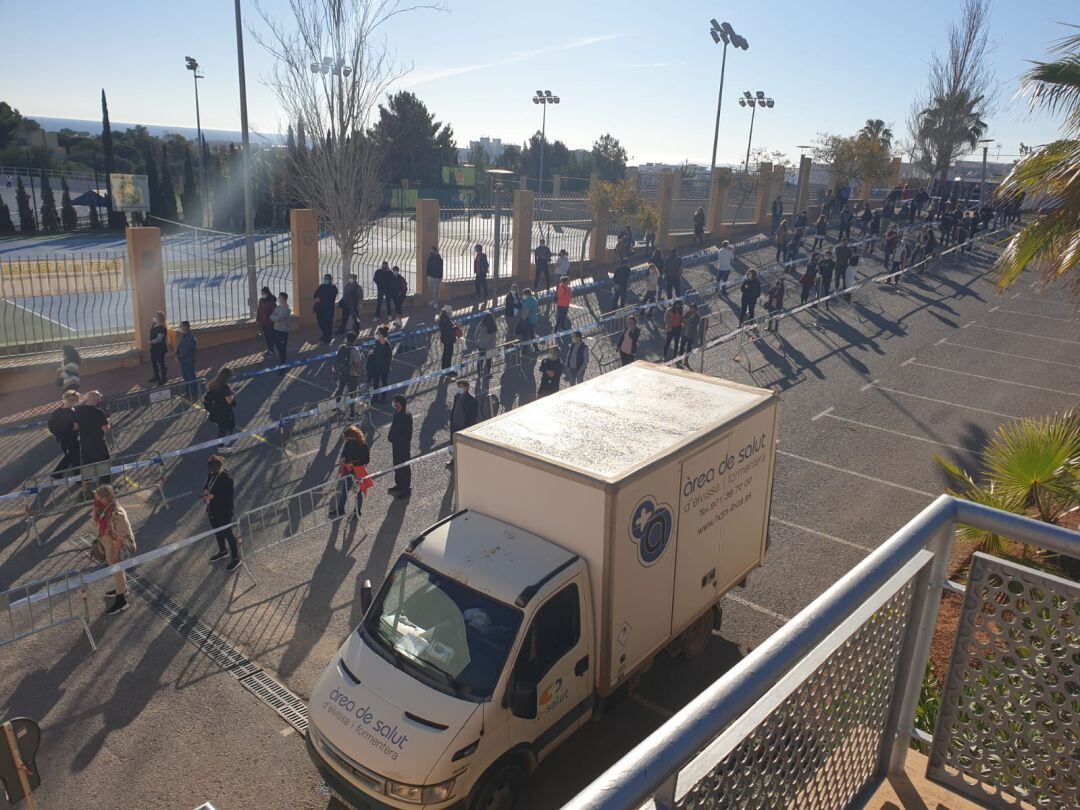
(369, 779)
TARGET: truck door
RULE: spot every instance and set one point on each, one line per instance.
(550, 691)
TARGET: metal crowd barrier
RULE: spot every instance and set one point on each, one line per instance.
(154, 404)
(271, 524)
(64, 597)
(331, 415)
(45, 496)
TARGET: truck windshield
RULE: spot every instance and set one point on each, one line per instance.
(440, 631)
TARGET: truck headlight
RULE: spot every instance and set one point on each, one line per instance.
(417, 794)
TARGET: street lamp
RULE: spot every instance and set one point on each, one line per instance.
(753, 102)
(192, 64)
(338, 69)
(245, 166)
(982, 177)
(497, 177)
(723, 32)
(543, 98)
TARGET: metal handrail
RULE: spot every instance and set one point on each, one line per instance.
(649, 771)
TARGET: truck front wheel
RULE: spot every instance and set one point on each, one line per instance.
(501, 789)
(696, 637)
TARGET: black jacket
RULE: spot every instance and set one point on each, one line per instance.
(400, 435)
(92, 420)
(327, 295)
(751, 289)
(447, 331)
(62, 424)
(379, 359)
(464, 412)
(542, 254)
(434, 265)
(621, 276)
(220, 506)
(383, 278)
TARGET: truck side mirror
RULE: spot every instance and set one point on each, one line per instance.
(365, 596)
(523, 699)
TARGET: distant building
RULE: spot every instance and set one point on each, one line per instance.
(491, 147)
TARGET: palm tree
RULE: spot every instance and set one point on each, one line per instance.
(875, 130)
(951, 125)
(1051, 238)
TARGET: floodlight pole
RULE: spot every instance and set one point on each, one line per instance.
(753, 112)
(245, 164)
(719, 100)
(540, 180)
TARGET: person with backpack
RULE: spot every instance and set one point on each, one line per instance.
(186, 348)
(352, 470)
(325, 297)
(750, 290)
(220, 403)
(281, 317)
(577, 359)
(530, 313)
(563, 294)
(399, 288)
(348, 365)
(487, 333)
(551, 369)
(383, 279)
(378, 363)
(267, 303)
(218, 492)
(620, 285)
(480, 273)
(434, 272)
(351, 296)
(449, 332)
(542, 259)
(62, 426)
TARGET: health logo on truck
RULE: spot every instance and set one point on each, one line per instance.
(650, 527)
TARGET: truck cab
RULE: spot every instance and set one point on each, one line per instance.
(473, 662)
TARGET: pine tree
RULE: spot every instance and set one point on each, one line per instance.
(152, 184)
(27, 222)
(115, 217)
(68, 217)
(50, 219)
(6, 225)
(189, 197)
(167, 191)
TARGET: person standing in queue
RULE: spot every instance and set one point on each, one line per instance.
(542, 259)
(384, 283)
(325, 296)
(218, 494)
(117, 542)
(530, 313)
(620, 285)
(186, 348)
(434, 271)
(220, 403)
(400, 438)
(159, 347)
(348, 366)
(551, 369)
(673, 324)
(691, 326)
(487, 333)
(378, 363)
(774, 304)
(751, 292)
(464, 412)
(351, 296)
(563, 294)
(352, 469)
(577, 359)
(512, 310)
(281, 317)
(62, 426)
(399, 289)
(480, 273)
(267, 303)
(448, 336)
(92, 424)
(628, 342)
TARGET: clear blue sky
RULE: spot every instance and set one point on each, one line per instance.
(645, 71)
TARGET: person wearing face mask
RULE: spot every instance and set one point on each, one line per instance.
(116, 540)
(551, 369)
(577, 359)
(512, 310)
(378, 363)
(399, 289)
(159, 347)
(218, 496)
(281, 319)
(464, 412)
(325, 296)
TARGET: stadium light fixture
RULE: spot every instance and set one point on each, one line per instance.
(725, 34)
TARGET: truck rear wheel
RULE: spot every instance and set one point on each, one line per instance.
(696, 637)
(501, 789)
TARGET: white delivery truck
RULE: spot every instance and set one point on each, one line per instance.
(597, 527)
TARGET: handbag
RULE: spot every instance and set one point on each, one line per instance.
(97, 551)
(458, 332)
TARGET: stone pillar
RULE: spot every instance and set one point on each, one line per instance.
(427, 237)
(304, 225)
(556, 185)
(894, 173)
(522, 234)
(718, 194)
(147, 283)
(523, 182)
(667, 194)
(803, 193)
(764, 186)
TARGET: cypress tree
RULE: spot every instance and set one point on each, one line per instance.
(115, 221)
(6, 225)
(27, 222)
(168, 193)
(152, 185)
(50, 219)
(68, 217)
(189, 197)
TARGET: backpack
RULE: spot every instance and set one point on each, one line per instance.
(343, 361)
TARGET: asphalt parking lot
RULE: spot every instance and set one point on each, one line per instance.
(870, 392)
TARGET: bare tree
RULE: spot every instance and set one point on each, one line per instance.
(332, 67)
(947, 121)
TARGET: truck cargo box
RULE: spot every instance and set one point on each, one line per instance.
(661, 479)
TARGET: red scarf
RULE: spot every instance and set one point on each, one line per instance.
(103, 516)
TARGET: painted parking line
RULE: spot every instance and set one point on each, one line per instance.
(913, 362)
(1022, 334)
(772, 614)
(830, 415)
(874, 384)
(863, 476)
(823, 535)
(946, 342)
(1029, 314)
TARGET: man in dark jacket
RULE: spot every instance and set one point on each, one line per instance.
(434, 271)
(551, 369)
(672, 273)
(542, 259)
(218, 495)
(464, 412)
(620, 283)
(384, 282)
(400, 437)
(325, 297)
(92, 424)
(62, 427)
(351, 296)
(378, 363)
(480, 273)
(399, 288)
(777, 212)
